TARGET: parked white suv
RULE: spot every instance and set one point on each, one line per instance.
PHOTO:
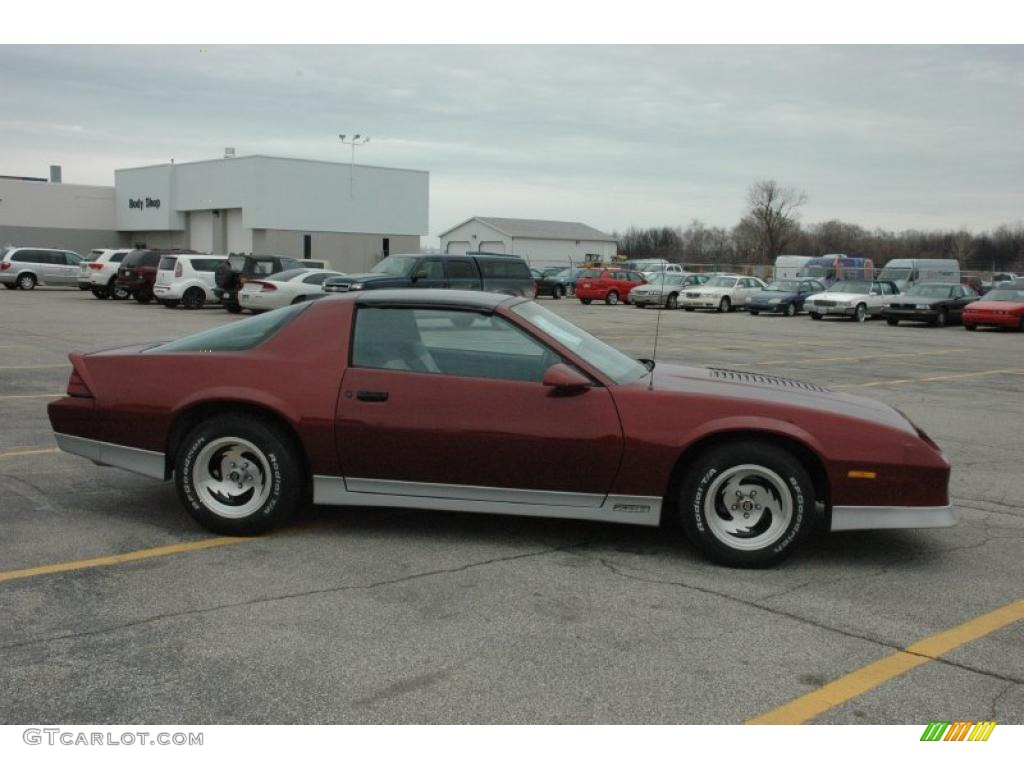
(186, 279)
(100, 271)
(26, 268)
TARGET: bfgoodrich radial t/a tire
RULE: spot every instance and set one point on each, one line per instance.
(746, 504)
(238, 475)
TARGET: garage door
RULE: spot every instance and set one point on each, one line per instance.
(200, 225)
(457, 247)
(492, 246)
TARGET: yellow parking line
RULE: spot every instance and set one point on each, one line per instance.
(942, 377)
(28, 452)
(28, 367)
(862, 680)
(851, 358)
(31, 397)
(125, 557)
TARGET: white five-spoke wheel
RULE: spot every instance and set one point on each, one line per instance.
(746, 503)
(239, 475)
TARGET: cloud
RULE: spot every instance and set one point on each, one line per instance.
(917, 136)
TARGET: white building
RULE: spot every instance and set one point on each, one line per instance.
(541, 243)
(350, 216)
(73, 217)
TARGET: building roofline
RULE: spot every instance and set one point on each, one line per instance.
(270, 157)
(55, 184)
(486, 221)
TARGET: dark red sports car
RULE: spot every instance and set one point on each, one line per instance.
(479, 402)
(1002, 306)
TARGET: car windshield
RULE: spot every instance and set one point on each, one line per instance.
(816, 271)
(851, 286)
(289, 274)
(786, 286)
(396, 266)
(895, 273)
(608, 360)
(721, 282)
(930, 291)
(1004, 294)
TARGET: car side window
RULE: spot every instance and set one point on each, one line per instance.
(73, 259)
(449, 342)
(317, 279)
(462, 269)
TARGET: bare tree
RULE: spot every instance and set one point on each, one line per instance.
(771, 212)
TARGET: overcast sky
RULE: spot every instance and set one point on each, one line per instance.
(893, 137)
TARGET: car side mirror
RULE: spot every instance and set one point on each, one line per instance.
(565, 380)
(420, 275)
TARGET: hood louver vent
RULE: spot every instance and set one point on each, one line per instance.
(758, 378)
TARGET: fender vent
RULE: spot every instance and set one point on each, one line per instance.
(758, 378)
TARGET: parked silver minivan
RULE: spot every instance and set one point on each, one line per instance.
(25, 268)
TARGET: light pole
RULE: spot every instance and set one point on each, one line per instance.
(353, 141)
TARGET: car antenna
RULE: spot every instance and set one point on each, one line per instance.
(657, 330)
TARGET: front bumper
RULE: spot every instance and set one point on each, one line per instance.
(701, 302)
(839, 311)
(918, 315)
(879, 518)
(1002, 321)
(781, 307)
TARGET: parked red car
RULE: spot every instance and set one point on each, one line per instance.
(1002, 306)
(478, 402)
(608, 285)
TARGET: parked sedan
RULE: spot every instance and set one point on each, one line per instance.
(479, 402)
(662, 291)
(608, 285)
(855, 299)
(291, 287)
(547, 283)
(1003, 307)
(933, 303)
(785, 296)
(723, 293)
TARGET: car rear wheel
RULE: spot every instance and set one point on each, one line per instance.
(746, 504)
(672, 302)
(892, 320)
(27, 281)
(238, 476)
(116, 293)
(791, 309)
(860, 314)
(101, 293)
(725, 305)
(611, 298)
(193, 298)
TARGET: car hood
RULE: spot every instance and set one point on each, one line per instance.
(776, 390)
(987, 306)
(769, 295)
(363, 278)
(830, 296)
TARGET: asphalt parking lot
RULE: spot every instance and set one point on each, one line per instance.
(389, 616)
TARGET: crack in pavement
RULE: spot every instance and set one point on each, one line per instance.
(811, 622)
(274, 598)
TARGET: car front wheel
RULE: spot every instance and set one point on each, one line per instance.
(860, 314)
(238, 476)
(672, 302)
(725, 305)
(746, 504)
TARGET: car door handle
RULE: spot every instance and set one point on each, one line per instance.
(370, 396)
